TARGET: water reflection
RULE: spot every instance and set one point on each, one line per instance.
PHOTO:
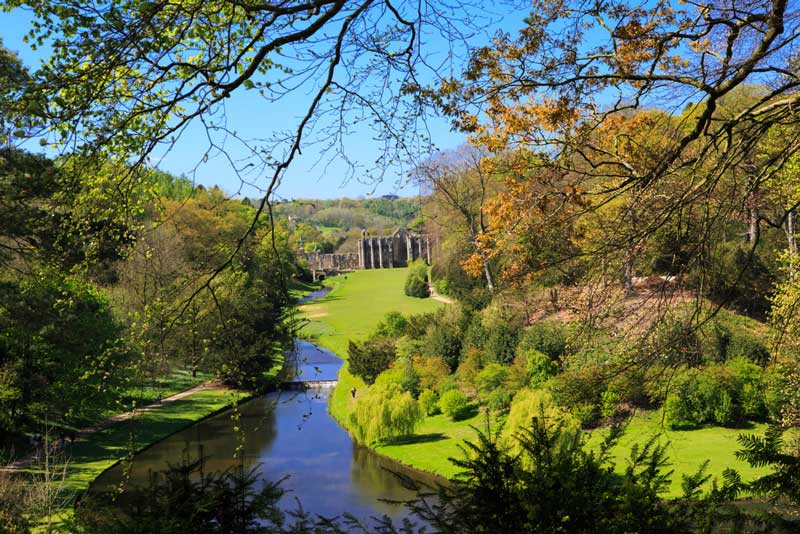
(288, 434)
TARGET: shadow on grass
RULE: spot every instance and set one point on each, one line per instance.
(738, 425)
(468, 412)
(416, 438)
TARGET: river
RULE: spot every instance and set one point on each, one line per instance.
(289, 434)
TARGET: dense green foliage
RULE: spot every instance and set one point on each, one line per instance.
(101, 299)
(370, 358)
(386, 411)
(417, 280)
(62, 357)
(719, 394)
(454, 404)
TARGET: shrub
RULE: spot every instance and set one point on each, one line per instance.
(609, 403)
(444, 340)
(386, 411)
(432, 371)
(429, 402)
(711, 395)
(539, 368)
(454, 404)
(746, 345)
(490, 378)
(417, 280)
(401, 373)
(371, 357)
(752, 388)
(547, 337)
(392, 325)
(502, 343)
(726, 344)
(676, 343)
(499, 399)
(530, 403)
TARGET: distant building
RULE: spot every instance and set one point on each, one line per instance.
(396, 250)
(380, 252)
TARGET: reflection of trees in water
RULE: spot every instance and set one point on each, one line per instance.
(374, 477)
(215, 439)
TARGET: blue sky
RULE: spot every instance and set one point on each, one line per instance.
(252, 117)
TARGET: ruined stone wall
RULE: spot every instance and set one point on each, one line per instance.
(332, 262)
(392, 251)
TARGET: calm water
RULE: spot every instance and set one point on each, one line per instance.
(289, 434)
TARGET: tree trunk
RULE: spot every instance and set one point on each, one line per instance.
(752, 231)
(629, 271)
(789, 227)
(488, 272)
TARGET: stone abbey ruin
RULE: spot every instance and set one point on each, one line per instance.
(374, 252)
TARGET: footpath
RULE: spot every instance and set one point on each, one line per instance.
(83, 434)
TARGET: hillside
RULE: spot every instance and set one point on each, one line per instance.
(335, 225)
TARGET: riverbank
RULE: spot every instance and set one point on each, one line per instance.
(356, 304)
(101, 447)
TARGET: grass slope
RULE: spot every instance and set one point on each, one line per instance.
(686, 449)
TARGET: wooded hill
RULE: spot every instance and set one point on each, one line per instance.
(336, 225)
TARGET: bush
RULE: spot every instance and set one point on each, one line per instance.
(727, 344)
(676, 343)
(539, 368)
(417, 280)
(547, 337)
(530, 403)
(502, 343)
(490, 378)
(401, 373)
(386, 411)
(454, 404)
(499, 399)
(432, 371)
(717, 394)
(429, 402)
(444, 340)
(393, 325)
(752, 388)
(609, 403)
(370, 358)
(746, 345)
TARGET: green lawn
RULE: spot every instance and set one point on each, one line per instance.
(356, 304)
(687, 449)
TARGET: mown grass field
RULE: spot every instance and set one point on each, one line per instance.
(686, 449)
(356, 305)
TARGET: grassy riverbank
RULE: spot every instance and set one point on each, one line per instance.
(99, 451)
(356, 305)
(352, 309)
